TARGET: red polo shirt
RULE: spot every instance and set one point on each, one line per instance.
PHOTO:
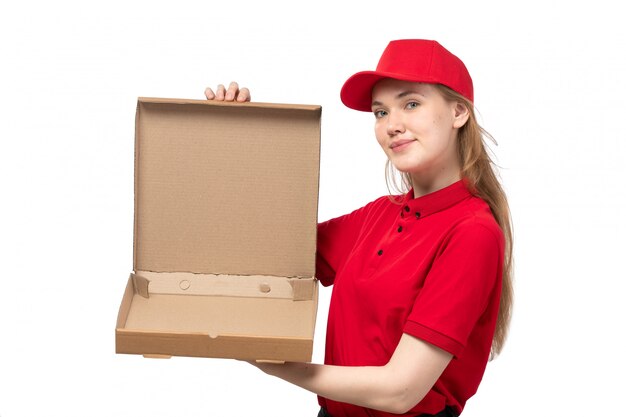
(430, 267)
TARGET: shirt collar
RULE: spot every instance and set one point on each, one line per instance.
(417, 208)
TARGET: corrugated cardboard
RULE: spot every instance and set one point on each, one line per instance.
(225, 229)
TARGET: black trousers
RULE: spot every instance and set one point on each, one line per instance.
(447, 412)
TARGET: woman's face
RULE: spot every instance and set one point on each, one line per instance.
(417, 129)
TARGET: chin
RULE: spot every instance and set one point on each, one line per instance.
(406, 168)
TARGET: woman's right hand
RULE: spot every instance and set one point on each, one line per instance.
(233, 93)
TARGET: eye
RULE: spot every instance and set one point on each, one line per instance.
(412, 105)
(379, 113)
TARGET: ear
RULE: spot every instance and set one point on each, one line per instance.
(461, 115)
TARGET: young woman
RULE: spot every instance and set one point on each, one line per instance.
(422, 281)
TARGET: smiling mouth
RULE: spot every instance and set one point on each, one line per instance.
(399, 143)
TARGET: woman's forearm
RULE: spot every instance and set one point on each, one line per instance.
(396, 387)
(366, 386)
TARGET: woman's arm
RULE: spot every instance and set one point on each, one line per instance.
(396, 387)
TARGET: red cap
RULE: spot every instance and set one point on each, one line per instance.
(416, 60)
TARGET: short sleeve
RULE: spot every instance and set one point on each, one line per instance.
(462, 284)
(336, 239)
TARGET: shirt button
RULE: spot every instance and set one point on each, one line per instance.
(399, 229)
(417, 214)
(407, 209)
(380, 252)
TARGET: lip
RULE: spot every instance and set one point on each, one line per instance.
(400, 144)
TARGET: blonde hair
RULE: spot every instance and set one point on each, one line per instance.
(477, 168)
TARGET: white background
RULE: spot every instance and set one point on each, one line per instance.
(549, 81)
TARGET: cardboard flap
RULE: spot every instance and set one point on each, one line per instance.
(226, 188)
(148, 283)
(141, 285)
(302, 289)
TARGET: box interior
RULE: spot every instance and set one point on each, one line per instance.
(245, 314)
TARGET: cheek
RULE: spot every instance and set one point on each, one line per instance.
(380, 134)
(441, 132)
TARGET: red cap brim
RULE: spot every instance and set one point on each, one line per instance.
(356, 92)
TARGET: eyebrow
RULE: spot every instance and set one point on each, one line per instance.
(401, 95)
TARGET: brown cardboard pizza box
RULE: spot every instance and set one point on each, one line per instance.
(224, 231)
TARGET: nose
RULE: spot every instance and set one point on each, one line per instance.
(395, 124)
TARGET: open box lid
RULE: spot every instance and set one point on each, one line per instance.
(226, 188)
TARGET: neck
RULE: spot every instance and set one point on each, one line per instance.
(423, 185)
